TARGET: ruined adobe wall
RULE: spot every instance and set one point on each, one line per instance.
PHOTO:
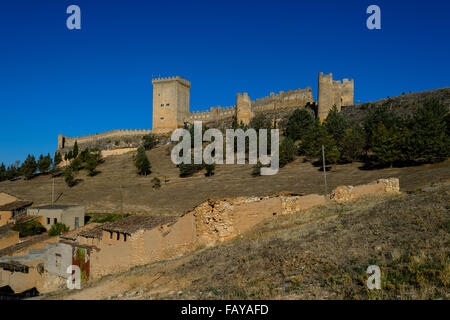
(213, 222)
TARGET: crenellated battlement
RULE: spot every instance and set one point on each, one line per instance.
(282, 100)
(119, 133)
(171, 108)
(214, 113)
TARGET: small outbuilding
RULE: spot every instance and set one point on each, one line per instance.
(70, 215)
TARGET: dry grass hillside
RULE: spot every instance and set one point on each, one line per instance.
(321, 253)
(118, 183)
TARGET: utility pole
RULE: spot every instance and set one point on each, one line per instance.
(324, 170)
(121, 200)
(53, 191)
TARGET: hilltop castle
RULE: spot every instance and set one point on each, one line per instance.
(171, 108)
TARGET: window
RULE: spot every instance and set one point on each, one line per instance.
(167, 104)
(77, 223)
(162, 118)
(110, 235)
(55, 220)
(48, 220)
(124, 237)
(118, 236)
(162, 104)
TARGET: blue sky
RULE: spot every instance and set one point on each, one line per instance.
(54, 80)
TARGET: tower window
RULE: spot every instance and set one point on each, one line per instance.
(162, 118)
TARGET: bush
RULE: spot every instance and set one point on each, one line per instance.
(210, 168)
(256, 169)
(58, 229)
(149, 141)
(29, 228)
(156, 183)
(187, 170)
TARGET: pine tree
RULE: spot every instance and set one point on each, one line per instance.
(336, 124)
(57, 159)
(69, 177)
(352, 144)
(75, 150)
(299, 123)
(29, 167)
(2, 172)
(387, 144)
(429, 135)
(44, 163)
(288, 150)
(142, 163)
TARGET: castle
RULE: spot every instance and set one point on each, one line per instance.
(171, 108)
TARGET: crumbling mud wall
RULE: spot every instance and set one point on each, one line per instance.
(212, 222)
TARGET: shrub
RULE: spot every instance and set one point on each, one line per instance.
(256, 169)
(210, 168)
(149, 141)
(58, 229)
(156, 183)
(29, 228)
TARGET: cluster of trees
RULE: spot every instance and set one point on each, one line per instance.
(88, 159)
(383, 139)
(30, 167)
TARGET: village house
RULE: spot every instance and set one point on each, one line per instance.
(11, 207)
(70, 215)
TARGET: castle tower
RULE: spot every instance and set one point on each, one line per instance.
(333, 93)
(170, 103)
(60, 141)
(244, 108)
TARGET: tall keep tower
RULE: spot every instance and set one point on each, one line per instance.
(333, 93)
(170, 103)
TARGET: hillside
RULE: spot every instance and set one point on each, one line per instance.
(321, 253)
(103, 193)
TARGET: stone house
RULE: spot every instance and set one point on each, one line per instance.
(11, 207)
(70, 215)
